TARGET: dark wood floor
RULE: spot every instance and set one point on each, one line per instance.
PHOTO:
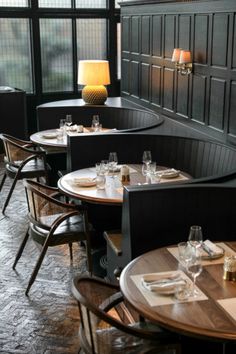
(47, 320)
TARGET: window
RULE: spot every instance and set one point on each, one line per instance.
(91, 4)
(56, 54)
(14, 3)
(55, 3)
(15, 58)
(40, 47)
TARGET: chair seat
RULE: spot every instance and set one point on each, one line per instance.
(73, 227)
(32, 168)
(113, 341)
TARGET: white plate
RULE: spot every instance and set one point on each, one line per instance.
(84, 181)
(49, 135)
(169, 174)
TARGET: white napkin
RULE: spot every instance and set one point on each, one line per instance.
(213, 247)
(163, 283)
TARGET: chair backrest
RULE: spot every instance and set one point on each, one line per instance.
(43, 208)
(155, 216)
(203, 160)
(15, 149)
(94, 296)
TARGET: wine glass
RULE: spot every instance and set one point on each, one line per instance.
(68, 121)
(195, 269)
(95, 122)
(195, 236)
(147, 157)
(112, 161)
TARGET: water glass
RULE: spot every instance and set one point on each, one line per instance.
(100, 181)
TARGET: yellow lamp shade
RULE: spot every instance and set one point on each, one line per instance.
(94, 74)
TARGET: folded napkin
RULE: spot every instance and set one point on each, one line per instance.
(211, 249)
(162, 283)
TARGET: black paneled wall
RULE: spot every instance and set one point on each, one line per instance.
(206, 98)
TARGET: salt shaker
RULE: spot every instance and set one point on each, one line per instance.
(125, 177)
(230, 268)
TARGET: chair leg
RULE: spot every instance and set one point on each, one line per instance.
(3, 180)
(36, 268)
(89, 256)
(21, 249)
(71, 251)
(9, 195)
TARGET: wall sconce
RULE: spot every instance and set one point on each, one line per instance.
(94, 74)
(182, 60)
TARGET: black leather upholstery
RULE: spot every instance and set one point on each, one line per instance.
(154, 216)
(122, 119)
(203, 160)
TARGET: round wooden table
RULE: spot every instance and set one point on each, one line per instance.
(113, 192)
(205, 319)
(48, 138)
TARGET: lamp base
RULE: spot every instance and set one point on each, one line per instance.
(94, 94)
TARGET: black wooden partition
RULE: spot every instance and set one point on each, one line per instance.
(156, 216)
(203, 160)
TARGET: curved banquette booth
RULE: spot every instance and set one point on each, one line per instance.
(204, 160)
(154, 217)
(113, 117)
(158, 215)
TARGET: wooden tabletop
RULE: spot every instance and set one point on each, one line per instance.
(48, 138)
(113, 192)
(203, 319)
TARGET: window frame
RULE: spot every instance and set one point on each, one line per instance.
(34, 14)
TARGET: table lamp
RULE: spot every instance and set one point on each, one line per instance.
(94, 74)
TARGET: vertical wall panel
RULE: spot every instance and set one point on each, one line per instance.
(156, 85)
(126, 33)
(169, 37)
(234, 44)
(201, 39)
(182, 95)
(198, 98)
(168, 94)
(157, 36)
(145, 35)
(125, 73)
(145, 78)
(220, 39)
(135, 34)
(217, 101)
(184, 32)
(232, 118)
(134, 78)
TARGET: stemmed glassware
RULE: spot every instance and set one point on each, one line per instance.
(195, 236)
(147, 157)
(68, 120)
(112, 161)
(195, 269)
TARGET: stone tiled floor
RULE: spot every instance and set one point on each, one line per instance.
(47, 320)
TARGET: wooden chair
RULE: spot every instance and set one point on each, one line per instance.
(53, 222)
(107, 325)
(22, 160)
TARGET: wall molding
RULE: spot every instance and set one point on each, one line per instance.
(206, 98)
